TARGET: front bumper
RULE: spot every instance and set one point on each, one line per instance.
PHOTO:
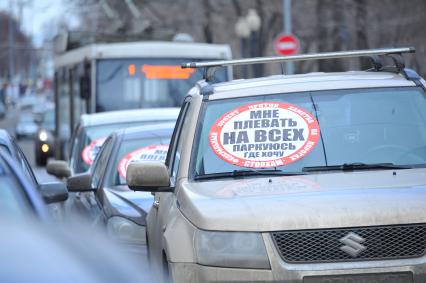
(299, 273)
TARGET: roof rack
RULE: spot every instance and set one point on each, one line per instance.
(373, 54)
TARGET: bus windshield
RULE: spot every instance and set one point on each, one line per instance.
(145, 83)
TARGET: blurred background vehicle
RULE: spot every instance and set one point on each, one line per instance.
(125, 75)
(26, 126)
(44, 138)
(121, 210)
(28, 101)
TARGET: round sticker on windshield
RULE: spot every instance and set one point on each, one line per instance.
(90, 151)
(147, 153)
(264, 135)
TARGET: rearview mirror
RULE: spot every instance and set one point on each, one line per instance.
(58, 168)
(148, 176)
(80, 183)
(53, 192)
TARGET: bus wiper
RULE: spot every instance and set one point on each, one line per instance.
(355, 166)
(248, 172)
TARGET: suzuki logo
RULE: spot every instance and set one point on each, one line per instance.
(352, 245)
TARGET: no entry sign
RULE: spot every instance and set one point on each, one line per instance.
(286, 44)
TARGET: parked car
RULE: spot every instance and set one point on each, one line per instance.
(44, 139)
(53, 192)
(26, 126)
(294, 178)
(28, 101)
(93, 129)
(119, 209)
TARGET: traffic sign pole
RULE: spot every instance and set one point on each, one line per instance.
(287, 30)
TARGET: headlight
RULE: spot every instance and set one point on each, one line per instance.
(44, 148)
(125, 230)
(231, 249)
(42, 135)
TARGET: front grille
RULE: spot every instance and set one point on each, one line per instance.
(380, 242)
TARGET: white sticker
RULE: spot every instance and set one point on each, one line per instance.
(264, 135)
(146, 153)
(90, 151)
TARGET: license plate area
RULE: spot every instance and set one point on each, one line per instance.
(397, 277)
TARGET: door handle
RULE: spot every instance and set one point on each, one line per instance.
(156, 204)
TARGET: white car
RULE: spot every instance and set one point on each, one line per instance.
(308, 178)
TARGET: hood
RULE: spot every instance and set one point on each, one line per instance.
(329, 200)
(121, 201)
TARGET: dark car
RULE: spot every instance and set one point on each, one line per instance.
(44, 141)
(51, 192)
(26, 127)
(123, 211)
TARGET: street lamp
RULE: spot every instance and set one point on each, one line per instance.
(247, 29)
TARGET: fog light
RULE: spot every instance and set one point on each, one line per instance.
(45, 148)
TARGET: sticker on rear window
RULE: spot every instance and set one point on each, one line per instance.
(147, 153)
(264, 135)
(90, 151)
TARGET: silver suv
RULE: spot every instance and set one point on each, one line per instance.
(316, 177)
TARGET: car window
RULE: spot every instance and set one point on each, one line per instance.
(333, 127)
(23, 162)
(13, 200)
(101, 162)
(136, 149)
(74, 151)
(174, 154)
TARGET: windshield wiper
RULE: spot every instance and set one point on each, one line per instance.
(356, 166)
(247, 172)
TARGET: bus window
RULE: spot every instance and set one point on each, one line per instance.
(144, 83)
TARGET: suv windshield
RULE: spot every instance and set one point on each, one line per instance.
(294, 131)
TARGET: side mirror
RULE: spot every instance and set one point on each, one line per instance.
(58, 168)
(85, 87)
(80, 183)
(148, 176)
(53, 192)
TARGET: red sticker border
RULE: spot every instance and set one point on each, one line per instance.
(124, 162)
(85, 154)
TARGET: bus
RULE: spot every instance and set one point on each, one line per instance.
(126, 75)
